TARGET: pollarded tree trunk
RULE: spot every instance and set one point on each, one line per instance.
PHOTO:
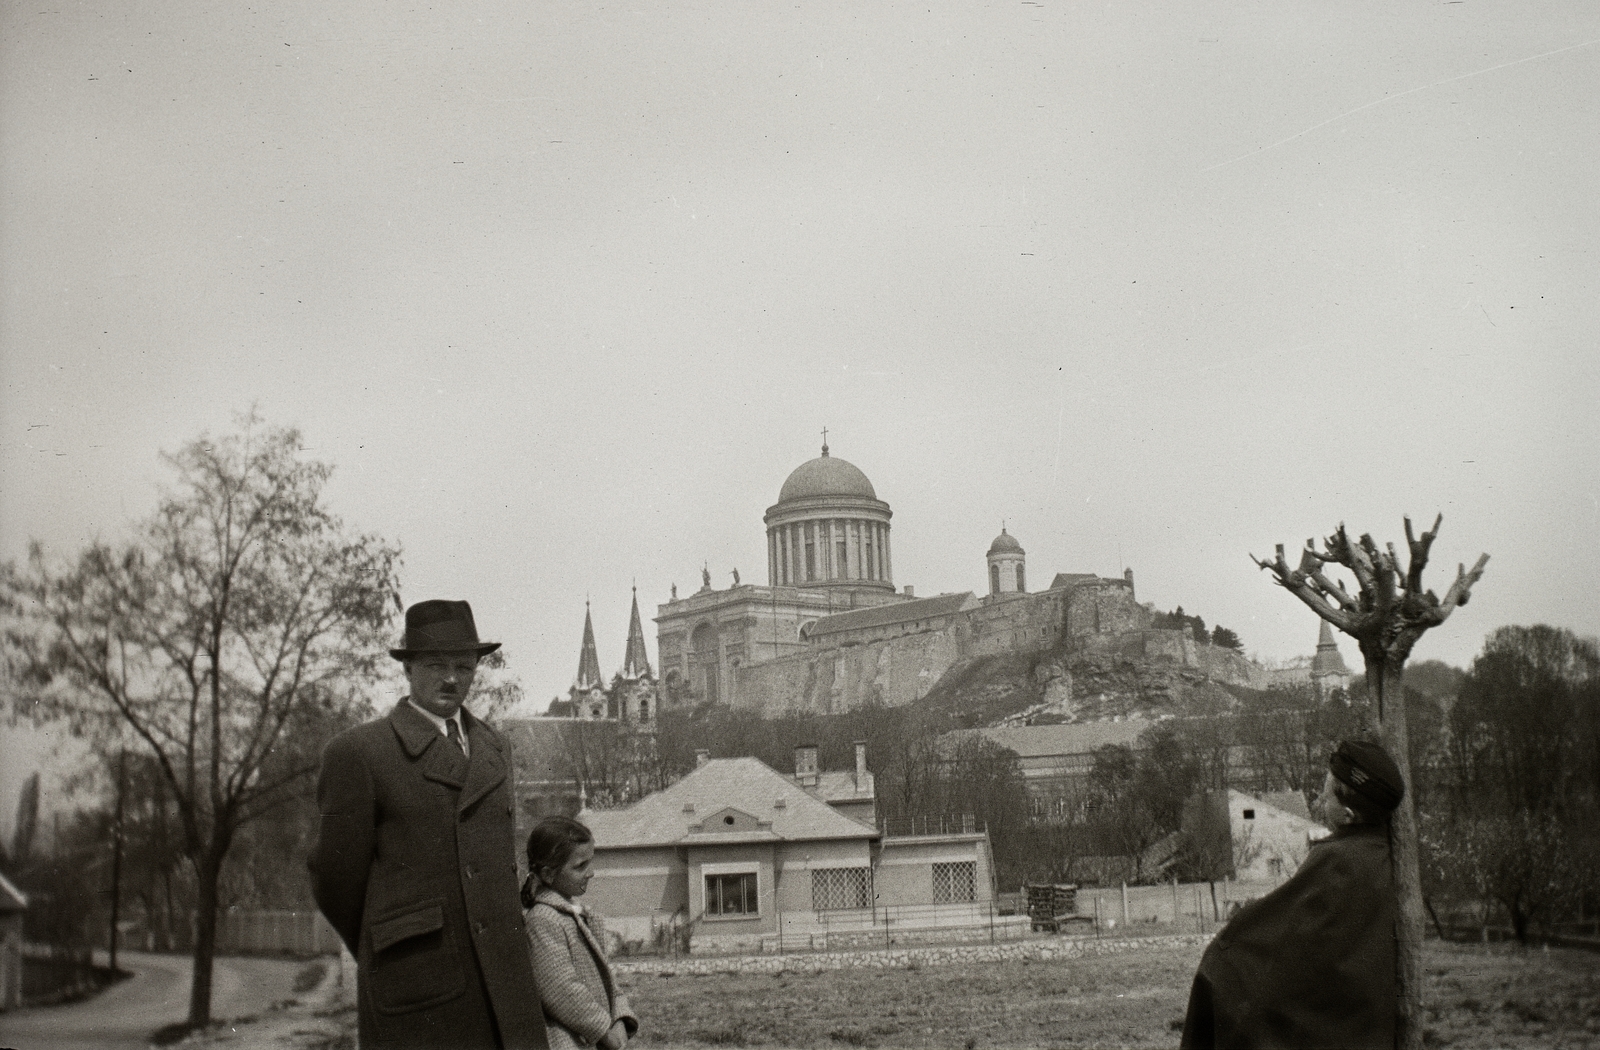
(1385, 686)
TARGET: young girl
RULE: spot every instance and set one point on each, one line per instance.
(582, 1004)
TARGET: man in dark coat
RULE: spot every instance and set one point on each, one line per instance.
(414, 864)
(1313, 963)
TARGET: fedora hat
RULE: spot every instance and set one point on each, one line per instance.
(439, 626)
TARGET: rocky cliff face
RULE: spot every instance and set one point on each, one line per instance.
(1146, 673)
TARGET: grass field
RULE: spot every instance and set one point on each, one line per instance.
(1480, 996)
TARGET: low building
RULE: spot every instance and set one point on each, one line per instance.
(1056, 760)
(1253, 838)
(739, 857)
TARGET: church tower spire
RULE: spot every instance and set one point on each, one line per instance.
(588, 660)
(636, 663)
(1328, 670)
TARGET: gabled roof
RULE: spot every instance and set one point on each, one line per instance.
(11, 898)
(897, 612)
(745, 784)
(1288, 801)
(1073, 738)
(1237, 799)
(1071, 579)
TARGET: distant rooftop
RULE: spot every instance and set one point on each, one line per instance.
(898, 612)
(1072, 738)
(786, 811)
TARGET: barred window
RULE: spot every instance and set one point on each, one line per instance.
(834, 889)
(732, 894)
(955, 883)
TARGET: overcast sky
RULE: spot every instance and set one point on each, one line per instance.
(565, 291)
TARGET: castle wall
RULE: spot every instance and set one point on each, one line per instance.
(1104, 607)
(837, 678)
(1012, 622)
(896, 664)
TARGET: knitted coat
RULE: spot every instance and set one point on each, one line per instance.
(581, 999)
(414, 866)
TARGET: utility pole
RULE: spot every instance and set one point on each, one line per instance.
(116, 855)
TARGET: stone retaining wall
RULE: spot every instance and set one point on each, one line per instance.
(1047, 948)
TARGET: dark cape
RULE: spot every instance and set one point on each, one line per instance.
(1311, 964)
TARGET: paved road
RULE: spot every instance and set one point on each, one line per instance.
(123, 1016)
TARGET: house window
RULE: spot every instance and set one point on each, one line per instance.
(955, 883)
(994, 579)
(1249, 814)
(835, 889)
(1020, 585)
(644, 710)
(811, 561)
(732, 894)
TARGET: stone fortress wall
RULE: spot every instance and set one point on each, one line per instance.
(844, 677)
(898, 664)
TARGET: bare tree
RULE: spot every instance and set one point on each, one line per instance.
(1386, 616)
(235, 627)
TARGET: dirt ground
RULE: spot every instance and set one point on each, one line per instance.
(1488, 997)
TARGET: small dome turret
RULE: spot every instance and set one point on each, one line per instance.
(1005, 543)
(1006, 560)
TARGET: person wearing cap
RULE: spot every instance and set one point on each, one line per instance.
(415, 861)
(1313, 963)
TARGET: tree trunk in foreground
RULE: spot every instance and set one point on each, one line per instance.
(1386, 616)
(1384, 684)
(208, 871)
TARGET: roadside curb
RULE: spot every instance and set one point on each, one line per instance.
(1045, 949)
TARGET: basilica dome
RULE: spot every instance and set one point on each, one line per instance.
(829, 529)
(826, 476)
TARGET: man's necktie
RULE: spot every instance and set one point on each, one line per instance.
(455, 735)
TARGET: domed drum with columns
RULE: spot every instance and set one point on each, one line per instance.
(829, 530)
(1006, 559)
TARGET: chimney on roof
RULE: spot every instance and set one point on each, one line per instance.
(1127, 578)
(861, 765)
(805, 765)
(701, 757)
(911, 592)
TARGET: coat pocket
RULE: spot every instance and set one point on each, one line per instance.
(414, 964)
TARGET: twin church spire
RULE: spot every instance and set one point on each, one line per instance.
(588, 694)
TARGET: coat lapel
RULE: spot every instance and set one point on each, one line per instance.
(425, 745)
(487, 766)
